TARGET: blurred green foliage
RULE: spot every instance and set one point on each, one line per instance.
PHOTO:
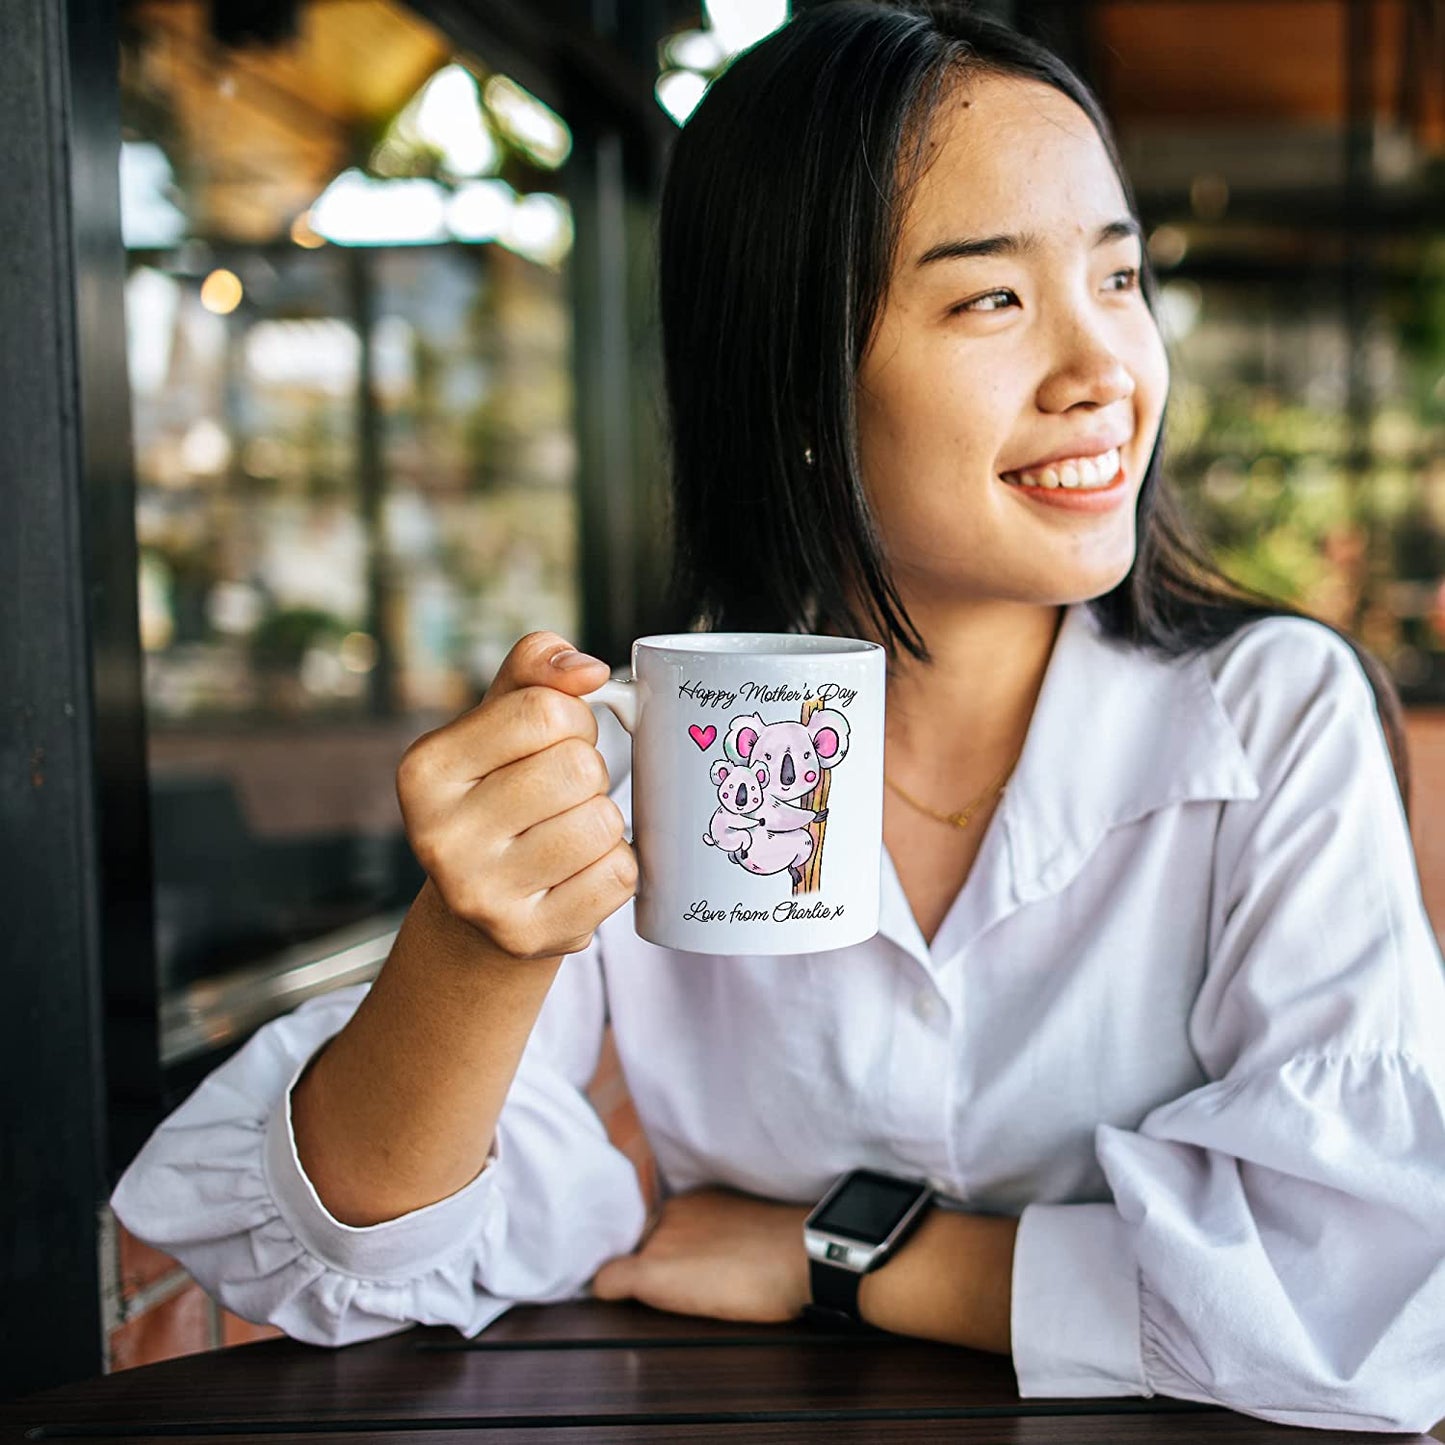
(285, 636)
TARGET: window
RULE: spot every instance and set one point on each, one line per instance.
(350, 359)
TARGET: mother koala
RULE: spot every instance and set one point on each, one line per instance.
(795, 755)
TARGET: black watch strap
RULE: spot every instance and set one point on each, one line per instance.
(834, 1288)
(835, 1298)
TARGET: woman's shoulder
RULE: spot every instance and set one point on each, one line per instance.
(1277, 674)
(1285, 654)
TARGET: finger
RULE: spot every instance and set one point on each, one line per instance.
(551, 851)
(511, 723)
(595, 893)
(541, 786)
(536, 696)
(530, 663)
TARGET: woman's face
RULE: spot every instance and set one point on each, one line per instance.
(984, 364)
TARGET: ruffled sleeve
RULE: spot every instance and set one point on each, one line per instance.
(219, 1187)
(1276, 1239)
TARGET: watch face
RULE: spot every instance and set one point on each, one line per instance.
(867, 1208)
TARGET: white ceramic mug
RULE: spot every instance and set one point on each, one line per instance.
(757, 788)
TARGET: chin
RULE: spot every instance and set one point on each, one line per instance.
(1064, 590)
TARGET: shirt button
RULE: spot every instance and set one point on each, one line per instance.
(926, 1005)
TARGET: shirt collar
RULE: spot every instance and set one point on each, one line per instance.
(1117, 732)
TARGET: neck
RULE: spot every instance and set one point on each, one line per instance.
(963, 717)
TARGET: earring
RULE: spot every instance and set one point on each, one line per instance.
(808, 456)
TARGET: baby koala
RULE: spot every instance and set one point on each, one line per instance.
(740, 791)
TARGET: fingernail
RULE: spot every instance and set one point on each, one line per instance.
(572, 658)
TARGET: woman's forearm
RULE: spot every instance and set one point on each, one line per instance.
(951, 1281)
(399, 1109)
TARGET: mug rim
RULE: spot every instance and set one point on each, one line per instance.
(731, 644)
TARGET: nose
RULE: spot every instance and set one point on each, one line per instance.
(742, 796)
(787, 775)
(1092, 358)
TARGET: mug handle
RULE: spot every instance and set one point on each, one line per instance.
(619, 697)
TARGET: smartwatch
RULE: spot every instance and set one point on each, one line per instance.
(853, 1229)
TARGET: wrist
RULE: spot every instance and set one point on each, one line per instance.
(802, 1270)
(450, 940)
(857, 1227)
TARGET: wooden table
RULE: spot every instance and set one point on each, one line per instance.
(590, 1371)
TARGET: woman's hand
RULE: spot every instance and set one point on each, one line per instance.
(717, 1253)
(507, 808)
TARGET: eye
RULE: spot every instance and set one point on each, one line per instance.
(987, 296)
(767, 755)
(1131, 284)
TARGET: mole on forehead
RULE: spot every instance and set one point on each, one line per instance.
(935, 135)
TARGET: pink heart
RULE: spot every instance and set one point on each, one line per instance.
(702, 736)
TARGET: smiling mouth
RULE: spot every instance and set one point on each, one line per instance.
(1082, 474)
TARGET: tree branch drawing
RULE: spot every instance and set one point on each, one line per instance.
(818, 798)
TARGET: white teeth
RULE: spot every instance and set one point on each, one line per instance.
(1080, 474)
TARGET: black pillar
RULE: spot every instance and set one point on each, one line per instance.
(612, 180)
(74, 831)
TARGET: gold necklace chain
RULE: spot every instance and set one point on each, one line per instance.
(959, 819)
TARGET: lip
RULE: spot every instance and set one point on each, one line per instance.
(1096, 499)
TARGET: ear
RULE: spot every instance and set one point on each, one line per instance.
(742, 738)
(829, 731)
(760, 772)
(719, 771)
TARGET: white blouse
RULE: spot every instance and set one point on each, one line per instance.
(1185, 1019)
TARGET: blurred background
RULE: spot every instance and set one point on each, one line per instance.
(367, 347)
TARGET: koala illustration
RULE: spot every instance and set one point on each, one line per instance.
(740, 791)
(794, 755)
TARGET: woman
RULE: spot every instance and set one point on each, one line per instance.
(1160, 1020)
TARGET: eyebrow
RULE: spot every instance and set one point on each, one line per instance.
(1026, 243)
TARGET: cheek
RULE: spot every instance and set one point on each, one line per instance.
(1151, 370)
(931, 408)
(929, 434)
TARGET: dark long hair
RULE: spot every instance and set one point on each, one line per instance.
(780, 218)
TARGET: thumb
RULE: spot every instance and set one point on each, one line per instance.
(548, 659)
